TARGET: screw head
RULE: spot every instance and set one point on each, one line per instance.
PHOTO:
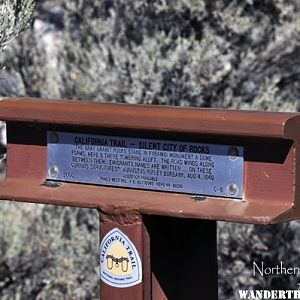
(53, 172)
(53, 138)
(233, 153)
(232, 189)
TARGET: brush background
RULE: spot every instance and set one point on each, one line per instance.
(226, 54)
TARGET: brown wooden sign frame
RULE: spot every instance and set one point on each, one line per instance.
(270, 141)
(161, 225)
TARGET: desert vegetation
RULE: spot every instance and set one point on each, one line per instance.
(220, 54)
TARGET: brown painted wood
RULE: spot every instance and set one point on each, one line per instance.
(146, 117)
(269, 170)
(132, 225)
(181, 256)
(157, 291)
(147, 274)
(116, 200)
(269, 182)
(165, 244)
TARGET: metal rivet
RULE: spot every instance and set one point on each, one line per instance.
(53, 172)
(232, 189)
(233, 153)
(53, 138)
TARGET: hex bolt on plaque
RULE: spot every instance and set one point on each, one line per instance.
(232, 189)
(53, 172)
(53, 138)
(233, 153)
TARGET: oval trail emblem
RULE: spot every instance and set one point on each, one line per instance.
(120, 264)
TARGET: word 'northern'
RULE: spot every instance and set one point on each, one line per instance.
(279, 269)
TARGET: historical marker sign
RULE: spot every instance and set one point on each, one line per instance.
(150, 164)
(120, 263)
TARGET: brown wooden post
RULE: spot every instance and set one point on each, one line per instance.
(176, 255)
(131, 226)
(179, 254)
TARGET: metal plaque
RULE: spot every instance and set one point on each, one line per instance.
(149, 164)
